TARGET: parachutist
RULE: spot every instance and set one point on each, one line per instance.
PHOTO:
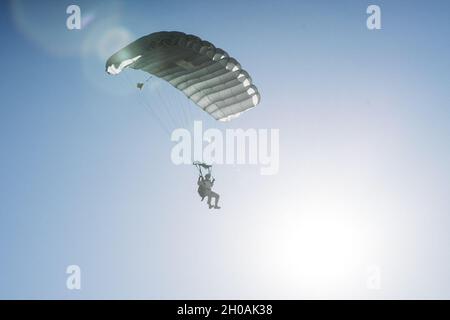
(205, 185)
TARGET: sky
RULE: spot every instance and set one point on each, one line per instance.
(363, 116)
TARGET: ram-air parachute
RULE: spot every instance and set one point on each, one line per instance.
(205, 74)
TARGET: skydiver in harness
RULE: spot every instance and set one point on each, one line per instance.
(205, 185)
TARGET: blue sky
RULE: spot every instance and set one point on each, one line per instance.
(86, 176)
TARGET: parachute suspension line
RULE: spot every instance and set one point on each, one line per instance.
(181, 101)
(172, 108)
(147, 95)
(173, 99)
(148, 98)
(145, 102)
(168, 109)
(191, 108)
(147, 105)
(150, 102)
(175, 107)
(165, 106)
(186, 109)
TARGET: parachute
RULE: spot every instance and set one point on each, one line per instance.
(207, 75)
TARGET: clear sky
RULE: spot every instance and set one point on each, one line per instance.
(364, 117)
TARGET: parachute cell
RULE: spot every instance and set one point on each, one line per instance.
(205, 74)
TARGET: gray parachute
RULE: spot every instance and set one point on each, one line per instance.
(205, 74)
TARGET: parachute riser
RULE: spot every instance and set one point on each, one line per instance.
(205, 166)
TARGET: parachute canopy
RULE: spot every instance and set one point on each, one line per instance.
(205, 74)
